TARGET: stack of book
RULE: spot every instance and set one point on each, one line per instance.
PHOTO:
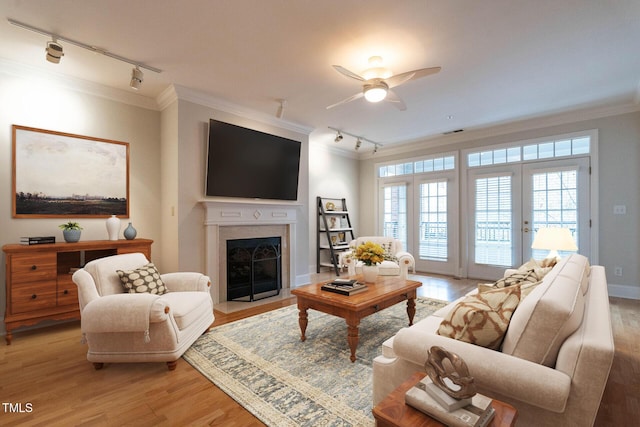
(428, 398)
(37, 240)
(344, 287)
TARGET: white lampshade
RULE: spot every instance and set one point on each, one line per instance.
(554, 239)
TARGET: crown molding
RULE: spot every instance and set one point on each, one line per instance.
(23, 71)
(334, 150)
(178, 92)
(550, 120)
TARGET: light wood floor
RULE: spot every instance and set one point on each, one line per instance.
(47, 369)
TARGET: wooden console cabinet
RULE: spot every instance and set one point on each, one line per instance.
(38, 278)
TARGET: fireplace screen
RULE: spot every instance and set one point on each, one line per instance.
(253, 268)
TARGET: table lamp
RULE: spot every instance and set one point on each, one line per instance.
(554, 239)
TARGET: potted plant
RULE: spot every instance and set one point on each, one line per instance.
(71, 231)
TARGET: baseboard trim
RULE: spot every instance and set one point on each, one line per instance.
(624, 291)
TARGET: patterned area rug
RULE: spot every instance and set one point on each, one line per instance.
(262, 364)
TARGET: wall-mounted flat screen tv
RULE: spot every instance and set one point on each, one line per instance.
(247, 163)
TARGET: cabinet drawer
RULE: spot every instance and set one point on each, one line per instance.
(34, 296)
(33, 268)
(67, 291)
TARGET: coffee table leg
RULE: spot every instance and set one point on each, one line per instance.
(411, 309)
(352, 336)
(303, 320)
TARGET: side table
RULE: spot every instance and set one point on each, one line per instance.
(394, 412)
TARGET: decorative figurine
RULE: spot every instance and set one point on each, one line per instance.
(443, 365)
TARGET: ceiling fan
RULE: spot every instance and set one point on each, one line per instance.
(378, 81)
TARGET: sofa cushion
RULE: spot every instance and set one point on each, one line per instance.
(549, 314)
(145, 279)
(103, 271)
(483, 318)
(187, 307)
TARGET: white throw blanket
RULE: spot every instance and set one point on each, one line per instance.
(118, 313)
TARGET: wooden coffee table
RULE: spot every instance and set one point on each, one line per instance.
(387, 291)
(394, 412)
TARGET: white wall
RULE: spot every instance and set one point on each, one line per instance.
(336, 175)
(44, 103)
(619, 169)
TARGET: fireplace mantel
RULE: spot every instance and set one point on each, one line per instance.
(258, 213)
(250, 212)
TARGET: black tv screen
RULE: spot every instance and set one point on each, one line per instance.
(247, 163)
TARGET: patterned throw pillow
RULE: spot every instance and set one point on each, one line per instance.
(525, 275)
(142, 280)
(386, 246)
(483, 318)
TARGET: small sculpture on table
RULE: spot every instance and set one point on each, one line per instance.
(449, 373)
(448, 393)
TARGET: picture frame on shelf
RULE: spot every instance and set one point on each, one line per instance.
(58, 175)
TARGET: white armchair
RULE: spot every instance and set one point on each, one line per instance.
(140, 327)
(398, 264)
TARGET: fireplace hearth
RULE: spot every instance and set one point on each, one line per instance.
(254, 268)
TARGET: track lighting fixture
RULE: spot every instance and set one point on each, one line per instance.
(280, 112)
(359, 139)
(137, 77)
(55, 52)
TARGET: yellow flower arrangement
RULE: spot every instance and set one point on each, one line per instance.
(369, 253)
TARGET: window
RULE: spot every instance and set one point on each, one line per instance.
(429, 164)
(493, 224)
(546, 149)
(395, 212)
(433, 221)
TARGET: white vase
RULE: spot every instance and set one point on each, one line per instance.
(370, 273)
(113, 227)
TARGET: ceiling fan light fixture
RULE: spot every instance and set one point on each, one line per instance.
(54, 51)
(376, 91)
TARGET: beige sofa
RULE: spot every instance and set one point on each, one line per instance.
(140, 327)
(554, 361)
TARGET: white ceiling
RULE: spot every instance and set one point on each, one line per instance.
(502, 60)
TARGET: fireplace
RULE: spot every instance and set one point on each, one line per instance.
(227, 221)
(253, 268)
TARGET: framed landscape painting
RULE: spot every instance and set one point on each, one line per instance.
(59, 174)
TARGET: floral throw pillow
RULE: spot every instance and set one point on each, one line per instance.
(483, 318)
(142, 280)
(387, 252)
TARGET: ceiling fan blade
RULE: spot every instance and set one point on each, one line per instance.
(398, 79)
(348, 73)
(395, 100)
(349, 99)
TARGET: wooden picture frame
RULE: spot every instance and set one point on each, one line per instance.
(62, 175)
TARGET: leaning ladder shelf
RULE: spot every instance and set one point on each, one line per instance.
(334, 232)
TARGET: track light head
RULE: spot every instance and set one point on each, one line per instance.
(54, 51)
(137, 77)
(338, 137)
(280, 112)
(358, 144)
(375, 148)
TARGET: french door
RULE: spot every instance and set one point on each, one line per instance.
(509, 203)
(422, 212)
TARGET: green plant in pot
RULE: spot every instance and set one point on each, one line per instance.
(71, 231)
